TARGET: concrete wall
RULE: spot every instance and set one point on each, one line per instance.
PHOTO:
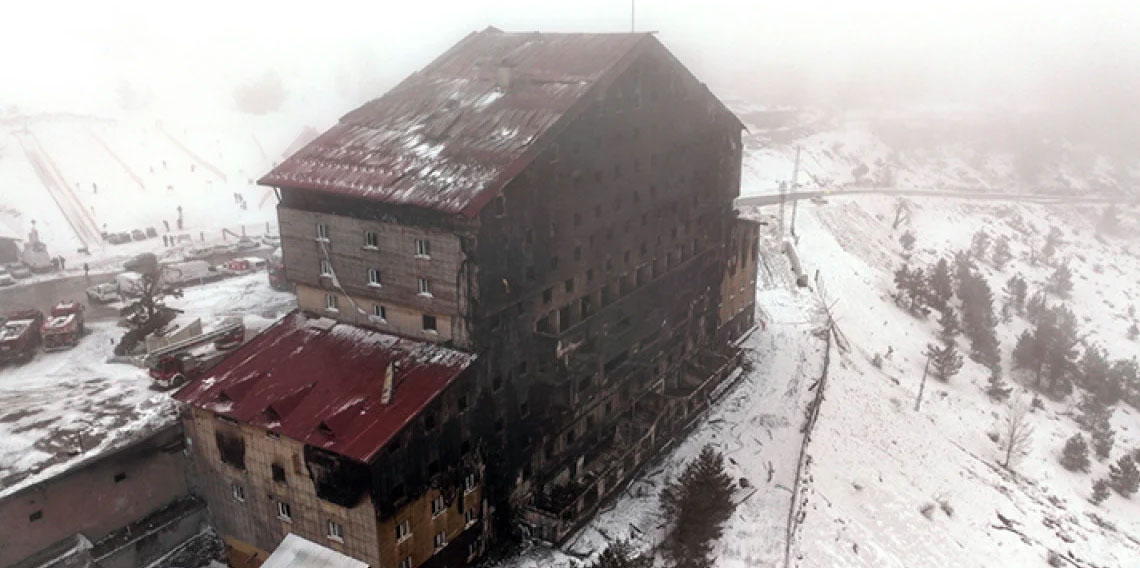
(394, 256)
(95, 498)
(399, 319)
(738, 289)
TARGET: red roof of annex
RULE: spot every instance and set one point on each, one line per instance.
(449, 136)
(322, 383)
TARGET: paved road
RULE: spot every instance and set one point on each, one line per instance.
(775, 197)
(43, 295)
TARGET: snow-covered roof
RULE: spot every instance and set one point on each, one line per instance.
(451, 135)
(297, 552)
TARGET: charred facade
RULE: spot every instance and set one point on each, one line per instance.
(559, 207)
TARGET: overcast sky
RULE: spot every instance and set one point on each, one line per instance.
(60, 54)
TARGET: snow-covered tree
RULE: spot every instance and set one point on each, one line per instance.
(978, 320)
(698, 503)
(621, 555)
(911, 290)
(1061, 281)
(1075, 456)
(1103, 438)
(1123, 476)
(980, 244)
(907, 241)
(1100, 491)
(945, 361)
(1016, 290)
(941, 285)
(1002, 253)
(1018, 434)
(1052, 242)
(996, 388)
(950, 325)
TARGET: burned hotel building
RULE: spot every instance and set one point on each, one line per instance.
(519, 273)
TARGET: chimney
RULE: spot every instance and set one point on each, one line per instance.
(505, 76)
(389, 379)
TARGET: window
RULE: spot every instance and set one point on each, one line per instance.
(423, 248)
(440, 540)
(424, 286)
(469, 483)
(371, 241)
(406, 562)
(284, 511)
(438, 506)
(380, 312)
(470, 515)
(322, 232)
(429, 324)
(120, 476)
(429, 420)
(403, 530)
(374, 277)
(569, 284)
(336, 531)
(590, 275)
(36, 516)
(578, 252)
(326, 268)
(332, 302)
(547, 295)
(278, 473)
(500, 206)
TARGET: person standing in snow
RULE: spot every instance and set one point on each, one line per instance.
(166, 224)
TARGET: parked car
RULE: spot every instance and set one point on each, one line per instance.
(104, 293)
(5, 278)
(138, 235)
(19, 270)
(151, 233)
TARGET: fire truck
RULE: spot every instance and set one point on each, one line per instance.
(20, 335)
(174, 364)
(65, 326)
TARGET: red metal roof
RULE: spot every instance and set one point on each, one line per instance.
(449, 136)
(322, 383)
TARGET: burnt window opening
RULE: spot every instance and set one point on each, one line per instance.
(395, 445)
(433, 468)
(231, 449)
(461, 403)
(465, 447)
(338, 480)
(36, 516)
(278, 473)
(497, 382)
(578, 252)
(429, 421)
(121, 476)
(500, 206)
(547, 295)
(569, 284)
(570, 436)
(521, 369)
(590, 275)
(429, 323)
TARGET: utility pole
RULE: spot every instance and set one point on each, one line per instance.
(922, 386)
(632, 15)
(795, 202)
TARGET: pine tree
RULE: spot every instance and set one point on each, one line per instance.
(951, 327)
(1103, 438)
(1075, 456)
(1094, 370)
(978, 321)
(1035, 306)
(1061, 351)
(945, 361)
(907, 241)
(698, 502)
(1100, 491)
(1015, 292)
(963, 270)
(979, 244)
(1133, 331)
(1094, 412)
(1001, 253)
(1023, 351)
(995, 386)
(1061, 281)
(1123, 476)
(621, 555)
(911, 290)
(941, 284)
(1052, 242)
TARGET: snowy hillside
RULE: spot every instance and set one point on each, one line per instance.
(955, 149)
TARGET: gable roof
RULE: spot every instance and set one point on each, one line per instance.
(449, 137)
(322, 383)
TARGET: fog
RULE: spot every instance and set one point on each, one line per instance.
(1080, 63)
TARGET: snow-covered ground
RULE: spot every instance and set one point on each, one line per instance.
(877, 462)
(65, 406)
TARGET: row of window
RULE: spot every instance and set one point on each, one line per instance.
(423, 285)
(380, 313)
(421, 249)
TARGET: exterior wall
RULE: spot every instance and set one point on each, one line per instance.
(420, 545)
(396, 259)
(89, 500)
(400, 320)
(9, 251)
(738, 291)
(254, 522)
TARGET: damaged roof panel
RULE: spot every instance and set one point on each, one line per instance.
(324, 385)
(451, 135)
